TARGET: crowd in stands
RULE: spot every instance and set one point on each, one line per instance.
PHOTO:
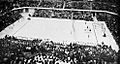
(39, 51)
(71, 5)
(64, 14)
(105, 6)
(20, 51)
(77, 5)
(26, 4)
(95, 5)
(9, 18)
(113, 7)
(46, 4)
(5, 7)
(51, 4)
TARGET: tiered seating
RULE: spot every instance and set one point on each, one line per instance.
(64, 14)
(9, 18)
(19, 51)
(14, 51)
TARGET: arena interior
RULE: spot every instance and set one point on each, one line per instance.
(59, 32)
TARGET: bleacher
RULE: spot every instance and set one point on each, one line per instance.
(20, 51)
